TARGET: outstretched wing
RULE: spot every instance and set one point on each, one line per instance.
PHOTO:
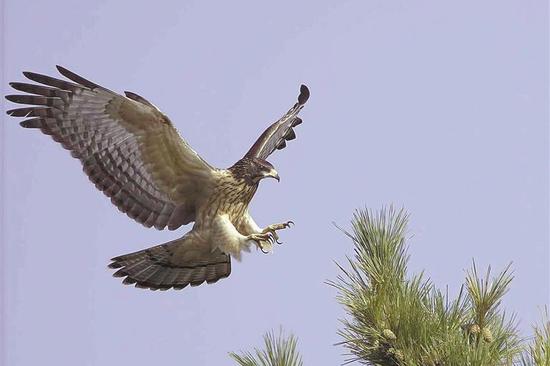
(278, 133)
(129, 149)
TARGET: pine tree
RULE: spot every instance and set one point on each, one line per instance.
(395, 318)
(278, 351)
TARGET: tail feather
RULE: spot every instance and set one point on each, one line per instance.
(175, 264)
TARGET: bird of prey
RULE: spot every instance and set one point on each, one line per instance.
(133, 153)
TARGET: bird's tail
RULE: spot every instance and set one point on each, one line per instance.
(175, 264)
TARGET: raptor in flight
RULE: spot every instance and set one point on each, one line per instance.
(133, 153)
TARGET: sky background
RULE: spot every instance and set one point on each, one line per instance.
(437, 106)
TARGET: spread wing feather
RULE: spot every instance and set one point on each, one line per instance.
(276, 136)
(129, 149)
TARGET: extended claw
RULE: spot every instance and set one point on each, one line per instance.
(258, 238)
(272, 230)
(275, 237)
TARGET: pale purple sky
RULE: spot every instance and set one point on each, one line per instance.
(437, 106)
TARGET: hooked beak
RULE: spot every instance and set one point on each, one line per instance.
(273, 174)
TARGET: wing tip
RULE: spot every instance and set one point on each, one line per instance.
(28, 74)
(114, 264)
(12, 97)
(304, 94)
(60, 68)
(76, 78)
(30, 123)
(65, 72)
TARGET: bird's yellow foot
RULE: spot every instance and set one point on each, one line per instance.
(261, 238)
(272, 229)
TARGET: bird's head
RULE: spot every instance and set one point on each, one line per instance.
(253, 170)
(263, 169)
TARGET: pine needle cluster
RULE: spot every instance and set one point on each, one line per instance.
(279, 350)
(398, 319)
(538, 352)
(395, 318)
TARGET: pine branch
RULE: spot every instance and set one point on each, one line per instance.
(538, 353)
(396, 319)
(278, 351)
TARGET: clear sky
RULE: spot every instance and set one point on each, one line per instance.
(437, 106)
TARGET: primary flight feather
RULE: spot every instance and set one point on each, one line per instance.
(132, 152)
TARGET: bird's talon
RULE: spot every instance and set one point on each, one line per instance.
(271, 231)
(259, 238)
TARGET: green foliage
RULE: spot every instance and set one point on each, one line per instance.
(396, 319)
(278, 351)
(538, 353)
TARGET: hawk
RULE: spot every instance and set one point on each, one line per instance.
(133, 153)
